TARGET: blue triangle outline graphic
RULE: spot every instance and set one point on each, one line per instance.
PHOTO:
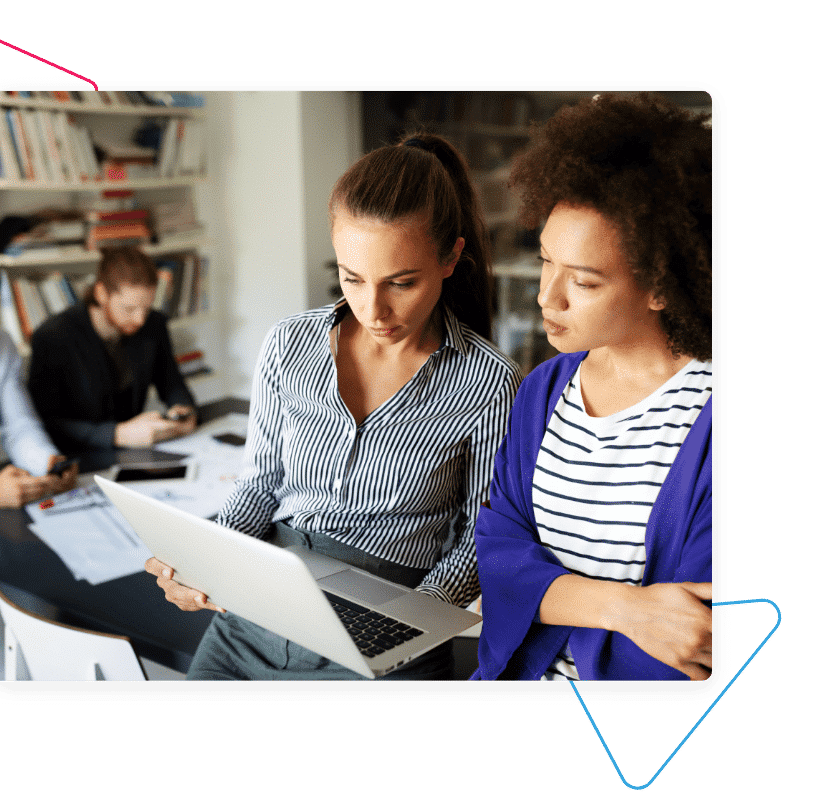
(709, 709)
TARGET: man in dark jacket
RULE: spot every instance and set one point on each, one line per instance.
(92, 364)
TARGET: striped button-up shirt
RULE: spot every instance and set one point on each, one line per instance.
(406, 483)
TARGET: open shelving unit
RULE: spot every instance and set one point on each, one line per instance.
(115, 121)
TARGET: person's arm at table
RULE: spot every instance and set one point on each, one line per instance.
(147, 428)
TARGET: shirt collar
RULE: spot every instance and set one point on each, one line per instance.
(453, 334)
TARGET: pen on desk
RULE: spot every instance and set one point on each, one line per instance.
(55, 504)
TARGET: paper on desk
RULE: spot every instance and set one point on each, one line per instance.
(94, 540)
(202, 442)
(89, 535)
(218, 465)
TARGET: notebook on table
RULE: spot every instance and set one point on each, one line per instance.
(365, 623)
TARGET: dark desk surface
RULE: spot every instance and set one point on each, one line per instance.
(133, 605)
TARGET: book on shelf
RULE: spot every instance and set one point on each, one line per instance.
(67, 145)
(181, 285)
(55, 239)
(46, 146)
(126, 161)
(9, 317)
(21, 146)
(192, 363)
(79, 284)
(202, 284)
(53, 153)
(178, 238)
(29, 304)
(132, 214)
(127, 170)
(117, 233)
(8, 154)
(181, 150)
(174, 218)
(87, 150)
(55, 298)
(163, 291)
(108, 201)
(186, 300)
(168, 148)
(190, 157)
(55, 235)
(20, 306)
(173, 99)
(35, 145)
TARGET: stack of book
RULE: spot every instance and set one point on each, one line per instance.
(58, 239)
(170, 219)
(117, 228)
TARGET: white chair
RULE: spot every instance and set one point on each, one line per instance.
(37, 649)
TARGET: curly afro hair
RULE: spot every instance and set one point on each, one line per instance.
(645, 164)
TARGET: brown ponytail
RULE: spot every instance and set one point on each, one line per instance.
(426, 174)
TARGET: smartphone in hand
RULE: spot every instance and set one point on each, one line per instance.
(177, 415)
(59, 468)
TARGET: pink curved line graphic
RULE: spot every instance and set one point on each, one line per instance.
(56, 66)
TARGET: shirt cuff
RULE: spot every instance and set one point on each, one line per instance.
(435, 591)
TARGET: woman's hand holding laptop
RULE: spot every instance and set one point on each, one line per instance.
(189, 600)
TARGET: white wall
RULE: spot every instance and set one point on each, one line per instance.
(330, 134)
(273, 158)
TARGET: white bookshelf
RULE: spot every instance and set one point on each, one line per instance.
(112, 109)
(93, 186)
(115, 122)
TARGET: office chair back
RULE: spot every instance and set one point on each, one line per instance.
(37, 649)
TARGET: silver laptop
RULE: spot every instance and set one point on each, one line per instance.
(306, 597)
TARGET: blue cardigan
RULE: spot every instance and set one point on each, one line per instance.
(515, 570)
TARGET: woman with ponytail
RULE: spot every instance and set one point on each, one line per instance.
(374, 421)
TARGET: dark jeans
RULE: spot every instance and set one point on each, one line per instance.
(235, 649)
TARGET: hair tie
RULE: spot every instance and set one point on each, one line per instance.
(417, 143)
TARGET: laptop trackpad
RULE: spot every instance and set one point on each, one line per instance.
(362, 587)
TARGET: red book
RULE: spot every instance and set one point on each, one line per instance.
(188, 356)
(112, 193)
(25, 324)
(121, 229)
(117, 215)
(21, 142)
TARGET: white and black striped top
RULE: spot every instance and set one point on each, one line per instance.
(395, 485)
(596, 479)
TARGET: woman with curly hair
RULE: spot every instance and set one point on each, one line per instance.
(595, 550)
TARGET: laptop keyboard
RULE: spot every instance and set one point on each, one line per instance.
(372, 631)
